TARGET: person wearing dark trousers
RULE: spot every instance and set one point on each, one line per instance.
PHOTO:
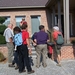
(18, 43)
(16, 60)
(26, 51)
(23, 53)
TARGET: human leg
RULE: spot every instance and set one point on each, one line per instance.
(10, 47)
(44, 54)
(16, 58)
(26, 56)
(58, 50)
(38, 51)
(21, 59)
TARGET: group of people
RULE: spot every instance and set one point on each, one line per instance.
(40, 42)
(20, 40)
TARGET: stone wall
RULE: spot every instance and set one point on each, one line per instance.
(67, 52)
(4, 50)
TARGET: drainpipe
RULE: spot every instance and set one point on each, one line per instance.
(53, 16)
(59, 16)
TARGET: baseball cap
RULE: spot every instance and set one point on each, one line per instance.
(56, 28)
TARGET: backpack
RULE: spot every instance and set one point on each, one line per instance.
(59, 40)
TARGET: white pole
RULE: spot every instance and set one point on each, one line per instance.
(67, 21)
(64, 8)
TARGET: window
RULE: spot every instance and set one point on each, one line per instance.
(7, 20)
(18, 20)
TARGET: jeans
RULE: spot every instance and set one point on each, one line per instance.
(23, 58)
(16, 58)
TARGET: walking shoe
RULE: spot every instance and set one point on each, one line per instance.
(32, 71)
(37, 66)
(22, 71)
(58, 64)
(44, 66)
(10, 65)
(16, 67)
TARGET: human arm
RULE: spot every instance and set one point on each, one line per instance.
(28, 44)
(10, 40)
(21, 23)
(28, 41)
(10, 35)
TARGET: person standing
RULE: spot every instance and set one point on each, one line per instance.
(23, 22)
(8, 33)
(25, 52)
(41, 40)
(19, 48)
(57, 47)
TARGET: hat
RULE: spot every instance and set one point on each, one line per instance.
(56, 28)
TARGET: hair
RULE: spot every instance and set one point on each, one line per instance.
(10, 24)
(23, 18)
(24, 26)
(17, 29)
(41, 27)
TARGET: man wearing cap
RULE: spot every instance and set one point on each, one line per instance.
(23, 22)
(58, 50)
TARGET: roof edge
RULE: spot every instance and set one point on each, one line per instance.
(22, 7)
(48, 3)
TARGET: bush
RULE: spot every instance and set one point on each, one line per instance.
(2, 39)
(2, 28)
(2, 20)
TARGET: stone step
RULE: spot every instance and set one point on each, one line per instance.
(33, 51)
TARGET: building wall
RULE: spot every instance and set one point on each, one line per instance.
(28, 13)
(67, 52)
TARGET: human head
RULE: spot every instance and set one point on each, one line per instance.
(17, 30)
(10, 25)
(41, 27)
(56, 28)
(24, 26)
(23, 19)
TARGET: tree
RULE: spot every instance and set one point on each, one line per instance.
(2, 20)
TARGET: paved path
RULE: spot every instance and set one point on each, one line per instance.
(67, 68)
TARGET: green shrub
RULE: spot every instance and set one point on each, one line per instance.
(2, 28)
(2, 20)
(2, 39)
